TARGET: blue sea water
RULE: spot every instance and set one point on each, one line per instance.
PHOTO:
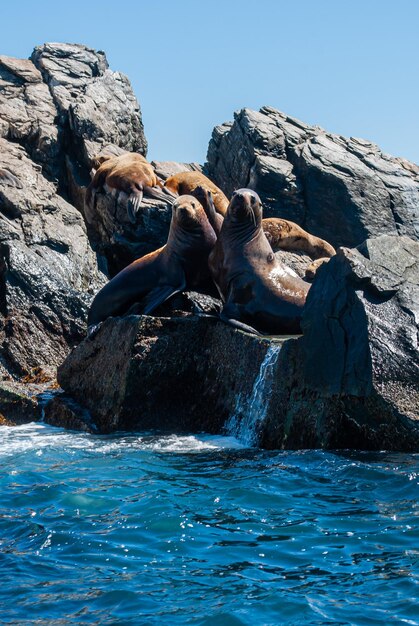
(198, 530)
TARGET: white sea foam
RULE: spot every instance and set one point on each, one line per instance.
(38, 437)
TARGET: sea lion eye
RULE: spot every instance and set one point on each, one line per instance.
(193, 205)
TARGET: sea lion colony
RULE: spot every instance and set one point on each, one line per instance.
(209, 236)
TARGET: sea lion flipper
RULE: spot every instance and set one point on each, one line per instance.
(158, 295)
(7, 178)
(240, 325)
(134, 203)
(160, 194)
(206, 199)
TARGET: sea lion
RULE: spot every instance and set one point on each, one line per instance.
(129, 172)
(188, 182)
(257, 289)
(285, 235)
(181, 263)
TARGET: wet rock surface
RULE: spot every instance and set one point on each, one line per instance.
(48, 272)
(342, 190)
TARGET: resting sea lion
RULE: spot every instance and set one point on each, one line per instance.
(256, 288)
(188, 182)
(181, 263)
(286, 235)
(129, 172)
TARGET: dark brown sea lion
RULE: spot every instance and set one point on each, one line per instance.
(188, 182)
(181, 263)
(129, 172)
(285, 235)
(258, 291)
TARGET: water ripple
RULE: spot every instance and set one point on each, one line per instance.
(155, 529)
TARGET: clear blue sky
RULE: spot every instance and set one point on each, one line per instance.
(350, 66)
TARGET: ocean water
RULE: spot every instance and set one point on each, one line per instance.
(199, 530)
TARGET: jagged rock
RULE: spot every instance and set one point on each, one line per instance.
(48, 272)
(22, 403)
(342, 190)
(97, 104)
(351, 381)
(27, 112)
(165, 169)
(66, 413)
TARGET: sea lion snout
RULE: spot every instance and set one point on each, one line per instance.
(245, 203)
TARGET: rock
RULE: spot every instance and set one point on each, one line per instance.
(94, 105)
(165, 169)
(21, 403)
(48, 272)
(27, 112)
(140, 372)
(64, 412)
(342, 190)
(351, 381)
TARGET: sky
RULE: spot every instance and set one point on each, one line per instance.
(350, 66)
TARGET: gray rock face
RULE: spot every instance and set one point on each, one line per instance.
(351, 381)
(342, 190)
(27, 112)
(48, 272)
(95, 106)
(57, 111)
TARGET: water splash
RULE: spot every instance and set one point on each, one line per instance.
(250, 413)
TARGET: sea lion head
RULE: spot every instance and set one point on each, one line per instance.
(188, 213)
(245, 207)
(190, 226)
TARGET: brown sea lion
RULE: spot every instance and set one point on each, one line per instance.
(285, 235)
(258, 291)
(187, 183)
(129, 172)
(181, 263)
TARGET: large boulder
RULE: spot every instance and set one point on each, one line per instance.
(182, 373)
(342, 190)
(48, 272)
(351, 381)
